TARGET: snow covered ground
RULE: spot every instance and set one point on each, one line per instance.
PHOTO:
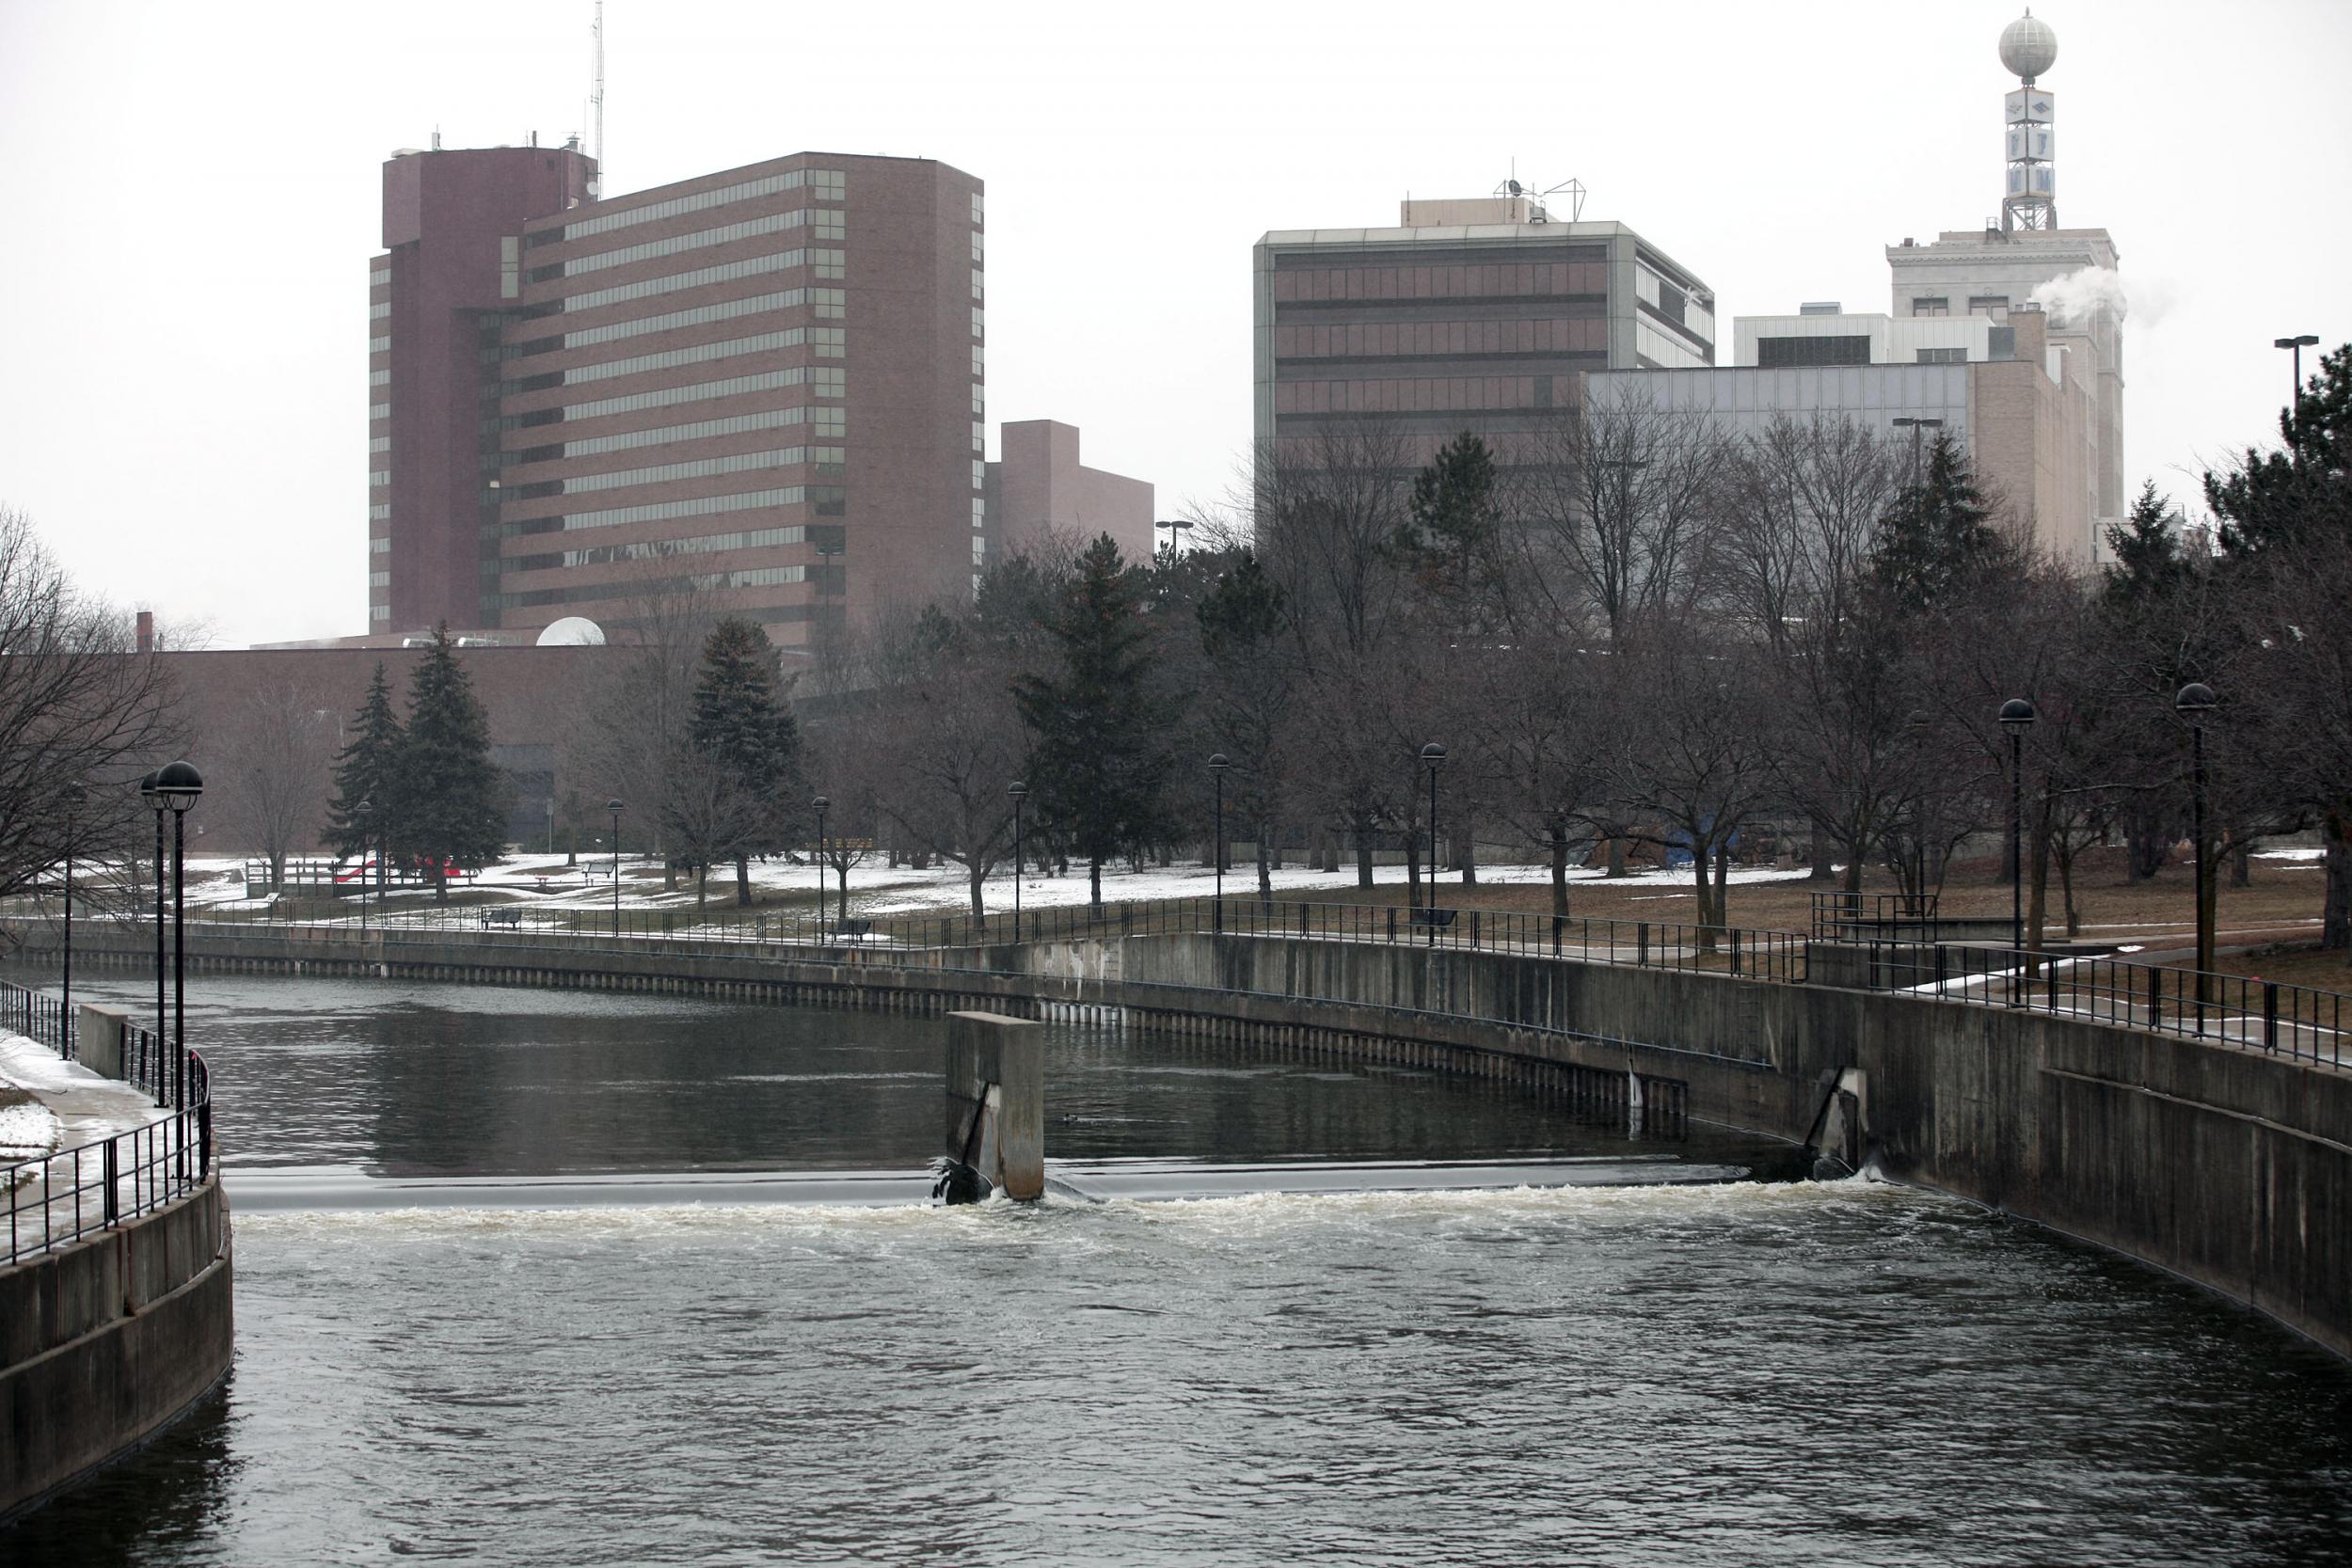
(543, 881)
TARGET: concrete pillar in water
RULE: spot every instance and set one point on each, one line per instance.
(996, 1119)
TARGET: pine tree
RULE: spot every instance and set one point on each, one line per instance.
(2303, 492)
(366, 771)
(452, 798)
(1100, 735)
(2149, 565)
(1453, 513)
(744, 738)
(1939, 539)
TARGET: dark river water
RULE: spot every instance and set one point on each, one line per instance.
(1740, 1373)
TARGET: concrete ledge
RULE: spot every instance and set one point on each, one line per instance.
(104, 1344)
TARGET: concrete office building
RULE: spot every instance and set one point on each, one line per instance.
(1470, 315)
(1038, 489)
(2016, 401)
(767, 380)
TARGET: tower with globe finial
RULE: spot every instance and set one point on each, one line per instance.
(2029, 48)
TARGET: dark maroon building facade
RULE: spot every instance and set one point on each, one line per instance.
(766, 383)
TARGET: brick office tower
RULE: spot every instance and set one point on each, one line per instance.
(766, 381)
(1473, 315)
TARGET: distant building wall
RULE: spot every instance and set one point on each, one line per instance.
(1037, 485)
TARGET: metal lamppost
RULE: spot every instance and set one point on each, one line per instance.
(73, 795)
(1433, 759)
(1218, 763)
(179, 785)
(818, 806)
(1920, 721)
(150, 793)
(359, 814)
(1914, 426)
(1177, 525)
(615, 807)
(2195, 701)
(2307, 340)
(2017, 717)
(1019, 792)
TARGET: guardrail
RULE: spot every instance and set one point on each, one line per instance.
(61, 1198)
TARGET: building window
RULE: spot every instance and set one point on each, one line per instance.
(979, 550)
(379, 443)
(377, 478)
(979, 474)
(977, 275)
(638, 326)
(379, 579)
(980, 321)
(830, 264)
(751, 266)
(662, 398)
(1943, 357)
(1934, 306)
(379, 345)
(379, 613)
(979, 436)
(379, 378)
(980, 359)
(381, 308)
(379, 546)
(1994, 305)
(781, 457)
(773, 223)
(1783, 352)
(979, 247)
(772, 418)
(379, 410)
(979, 512)
(377, 512)
(976, 209)
(726, 348)
(510, 266)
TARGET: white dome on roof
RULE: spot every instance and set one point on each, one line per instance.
(572, 631)
(2029, 47)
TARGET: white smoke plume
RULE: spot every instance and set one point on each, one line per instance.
(2075, 300)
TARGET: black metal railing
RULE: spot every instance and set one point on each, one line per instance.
(61, 1198)
(1842, 916)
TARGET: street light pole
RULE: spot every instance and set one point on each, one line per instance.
(1915, 426)
(65, 982)
(819, 804)
(179, 785)
(2297, 344)
(150, 792)
(2017, 717)
(1019, 792)
(1218, 763)
(2195, 701)
(1176, 526)
(359, 814)
(1433, 759)
(615, 807)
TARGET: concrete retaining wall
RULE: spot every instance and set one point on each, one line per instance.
(2228, 1166)
(104, 1344)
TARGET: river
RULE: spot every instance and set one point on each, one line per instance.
(1701, 1374)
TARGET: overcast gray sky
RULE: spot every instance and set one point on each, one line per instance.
(190, 193)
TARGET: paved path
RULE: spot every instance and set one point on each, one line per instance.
(63, 1196)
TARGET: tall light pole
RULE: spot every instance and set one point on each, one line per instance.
(1176, 526)
(179, 785)
(2017, 717)
(73, 795)
(818, 805)
(1920, 723)
(1433, 759)
(359, 814)
(2195, 701)
(1218, 763)
(150, 792)
(1914, 426)
(1019, 792)
(2298, 345)
(614, 806)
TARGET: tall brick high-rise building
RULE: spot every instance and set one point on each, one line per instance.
(766, 380)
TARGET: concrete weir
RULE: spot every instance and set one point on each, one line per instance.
(2226, 1166)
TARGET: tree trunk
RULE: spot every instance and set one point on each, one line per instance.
(1701, 855)
(1617, 856)
(2065, 855)
(702, 889)
(1824, 868)
(1364, 853)
(440, 880)
(2038, 886)
(841, 873)
(978, 870)
(1468, 841)
(1265, 863)
(2335, 920)
(2242, 866)
(1559, 872)
(1853, 870)
(1095, 880)
(1412, 870)
(743, 880)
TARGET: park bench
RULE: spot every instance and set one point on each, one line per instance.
(1436, 918)
(502, 917)
(852, 930)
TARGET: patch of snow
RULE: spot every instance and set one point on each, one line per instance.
(27, 1132)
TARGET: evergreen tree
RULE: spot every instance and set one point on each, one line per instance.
(1454, 513)
(1939, 539)
(2149, 565)
(2300, 493)
(1101, 736)
(746, 742)
(366, 770)
(452, 800)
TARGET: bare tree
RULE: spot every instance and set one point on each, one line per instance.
(277, 749)
(79, 707)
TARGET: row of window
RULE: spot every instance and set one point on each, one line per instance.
(380, 277)
(379, 410)
(979, 512)
(829, 500)
(655, 549)
(379, 443)
(831, 422)
(828, 265)
(798, 375)
(639, 325)
(759, 577)
(379, 579)
(979, 320)
(378, 477)
(1436, 394)
(377, 512)
(380, 544)
(825, 184)
(726, 348)
(1431, 338)
(702, 467)
(379, 345)
(977, 290)
(979, 474)
(1444, 280)
(379, 613)
(381, 308)
(975, 209)
(1994, 305)
(827, 225)
(379, 378)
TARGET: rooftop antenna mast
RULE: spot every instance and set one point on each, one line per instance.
(595, 99)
